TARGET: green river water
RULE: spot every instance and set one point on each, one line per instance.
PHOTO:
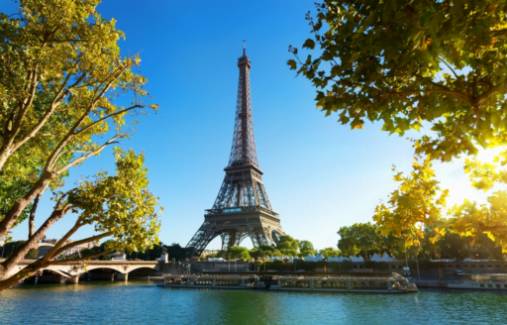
(139, 303)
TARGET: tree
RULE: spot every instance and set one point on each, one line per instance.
(288, 246)
(178, 253)
(484, 175)
(490, 220)
(306, 248)
(116, 206)
(60, 69)
(360, 239)
(329, 252)
(437, 66)
(415, 205)
(263, 252)
(238, 253)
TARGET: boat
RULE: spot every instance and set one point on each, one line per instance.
(485, 281)
(217, 281)
(393, 283)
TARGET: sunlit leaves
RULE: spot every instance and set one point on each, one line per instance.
(120, 204)
(472, 220)
(405, 63)
(417, 203)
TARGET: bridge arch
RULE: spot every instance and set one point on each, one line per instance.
(119, 269)
(58, 272)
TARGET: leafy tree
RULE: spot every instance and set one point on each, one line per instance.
(416, 204)
(306, 248)
(329, 252)
(238, 253)
(263, 252)
(60, 69)
(178, 253)
(490, 220)
(360, 239)
(454, 246)
(438, 66)
(288, 246)
(116, 206)
(484, 175)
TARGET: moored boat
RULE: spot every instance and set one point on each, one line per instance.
(486, 281)
(393, 283)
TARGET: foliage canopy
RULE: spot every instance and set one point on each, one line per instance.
(438, 66)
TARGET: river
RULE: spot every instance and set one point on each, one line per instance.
(139, 303)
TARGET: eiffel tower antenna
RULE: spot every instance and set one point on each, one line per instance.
(242, 208)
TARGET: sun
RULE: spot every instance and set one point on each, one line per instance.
(489, 155)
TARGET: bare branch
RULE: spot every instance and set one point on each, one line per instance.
(449, 67)
(71, 132)
(122, 111)
(31, 217)
(52, 108)
(82, 259)
(91, 153)
(27, 102)
(81, 242)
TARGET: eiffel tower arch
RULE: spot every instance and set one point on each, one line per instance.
(242, 208)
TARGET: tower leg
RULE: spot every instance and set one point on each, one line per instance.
(202, 238)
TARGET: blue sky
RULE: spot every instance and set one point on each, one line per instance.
(319, 175)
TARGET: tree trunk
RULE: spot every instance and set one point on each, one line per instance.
(10, 264)
(16, 278)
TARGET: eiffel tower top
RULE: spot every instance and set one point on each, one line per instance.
(243, 152)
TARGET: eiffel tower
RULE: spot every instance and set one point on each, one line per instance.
(242, 208)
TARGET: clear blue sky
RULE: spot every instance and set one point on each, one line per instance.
(319, 175)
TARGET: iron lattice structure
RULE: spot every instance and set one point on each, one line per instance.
(242, 208)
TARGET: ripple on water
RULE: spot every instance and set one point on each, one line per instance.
(147, 304)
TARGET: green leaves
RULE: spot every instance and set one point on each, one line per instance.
(360, 239)
(405, 63)
(288, 246)
(121, 204)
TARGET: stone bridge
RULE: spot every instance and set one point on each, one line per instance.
(72, 271)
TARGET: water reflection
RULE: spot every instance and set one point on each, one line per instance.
(116, 303)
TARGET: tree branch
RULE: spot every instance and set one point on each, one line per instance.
(91, 153)
(108, 116)
(71, 132)
(21, 252)
(82, 259)
(31, 217)
(449, 67)
(82, 241)
(52, 108)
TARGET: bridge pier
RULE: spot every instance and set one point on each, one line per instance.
(75, 279)
(124, 277)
